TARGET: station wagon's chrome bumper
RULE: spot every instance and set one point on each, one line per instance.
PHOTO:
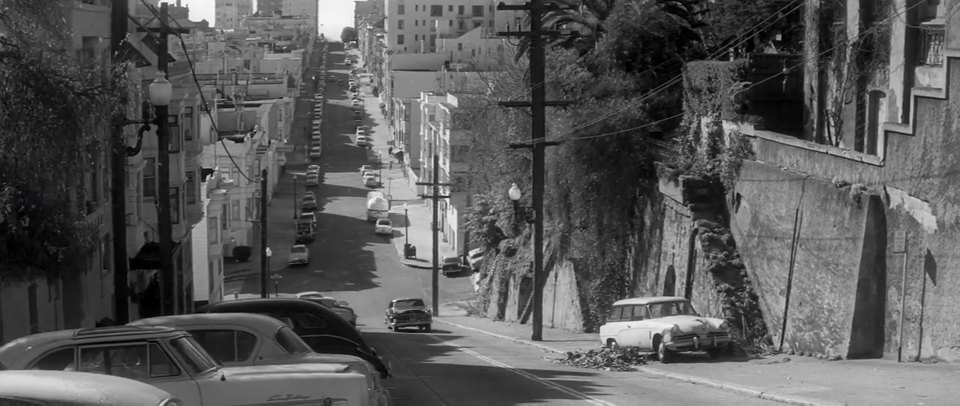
(695, 342)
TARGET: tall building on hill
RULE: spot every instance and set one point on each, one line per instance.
(229, 14)
(267, 7)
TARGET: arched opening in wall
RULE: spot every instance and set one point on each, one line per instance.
(693, 252)
(867, 330)
(670, 282)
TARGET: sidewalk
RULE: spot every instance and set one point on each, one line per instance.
(786, 379)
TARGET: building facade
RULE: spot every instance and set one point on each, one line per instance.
(229, 14)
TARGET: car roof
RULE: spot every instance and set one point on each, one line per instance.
(38, 343)
(76, 388)
(265, 304)
(263, 324)
(649, 300)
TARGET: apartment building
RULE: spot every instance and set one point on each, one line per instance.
(229, 14)
(83, 295)
(415, 26)
(445, 123)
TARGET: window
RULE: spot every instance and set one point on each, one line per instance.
(309, 321)
(59, 360)
(224, 222)
(196, 359)
(478, 11)
(639, 313)
(416, 7)
(188, 123)
(459, 46)
(460, 10)
(477, 23)
(191, 185)
(212, 228)
(160, 363)
(461, 25)
(615, 313)
(150, 177)
(126, 360)
(226, 345)
(415, 37)
(400, 9)
(433, 40)
(416, 23)
(400, 38)
(173, 133)
(436, 11)
(236, 210)
(399, 24)
(175, 205)
(450, 23)
(450, 8)
(290, 342)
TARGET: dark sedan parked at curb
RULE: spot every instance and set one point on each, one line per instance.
(320, 327)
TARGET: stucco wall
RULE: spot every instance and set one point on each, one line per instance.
(825, 270)
(561, 300)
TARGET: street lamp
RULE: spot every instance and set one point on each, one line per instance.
(263, 289)
(161, 91)
(528, 212)
(406, 226)
(295, 216)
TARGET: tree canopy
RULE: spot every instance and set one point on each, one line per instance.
(348, 34)
(54, 124)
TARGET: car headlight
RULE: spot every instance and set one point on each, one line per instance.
(725, 326)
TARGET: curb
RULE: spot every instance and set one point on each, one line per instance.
(696, 380)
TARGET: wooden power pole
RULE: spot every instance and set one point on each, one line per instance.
(435, 228)
(538, 143)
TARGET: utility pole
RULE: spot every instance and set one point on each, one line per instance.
(436, 196)
(538, 143)
(118, 198)
(264, 257)
(164, 221)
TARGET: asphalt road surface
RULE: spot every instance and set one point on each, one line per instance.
(447, 366)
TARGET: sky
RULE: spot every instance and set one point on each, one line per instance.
(334, 14)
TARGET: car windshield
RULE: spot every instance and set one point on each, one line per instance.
(383, 222)
(291, 342)
(298, 249)
(666, 309)
(406, 304)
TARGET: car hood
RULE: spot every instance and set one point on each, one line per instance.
(687, 324)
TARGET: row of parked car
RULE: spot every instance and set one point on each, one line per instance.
(254, 351)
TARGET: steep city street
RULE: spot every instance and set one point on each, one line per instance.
(450, 365)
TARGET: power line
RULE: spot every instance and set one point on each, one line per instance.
(203, 98)
(676, 79)
(566, 136)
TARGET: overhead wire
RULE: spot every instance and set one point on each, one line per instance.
(771, 77)
(753, 31)
(196, 82)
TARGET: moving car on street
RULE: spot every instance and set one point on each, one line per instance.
(371, 181)
(364, 141)
(236, 339)
(312, 180)
(453, 265)
(383, 227)
(321, 328)
(666, 325)
(172, 360)
(65, 388)
(338, 306)
(299, 255)
(407, 312)
(475, 258)
(314, 152)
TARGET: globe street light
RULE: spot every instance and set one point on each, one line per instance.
(528, 212)
(160, 92)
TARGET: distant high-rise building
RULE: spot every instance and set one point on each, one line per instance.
(309, 8)
(415, 28)
(230, 13)
(267, 7)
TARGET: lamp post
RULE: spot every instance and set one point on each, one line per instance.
(295, 216)
(406, 227)
(530, 214)
(266, 271)
(161, 91)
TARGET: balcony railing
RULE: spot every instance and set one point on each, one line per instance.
(931, 44)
